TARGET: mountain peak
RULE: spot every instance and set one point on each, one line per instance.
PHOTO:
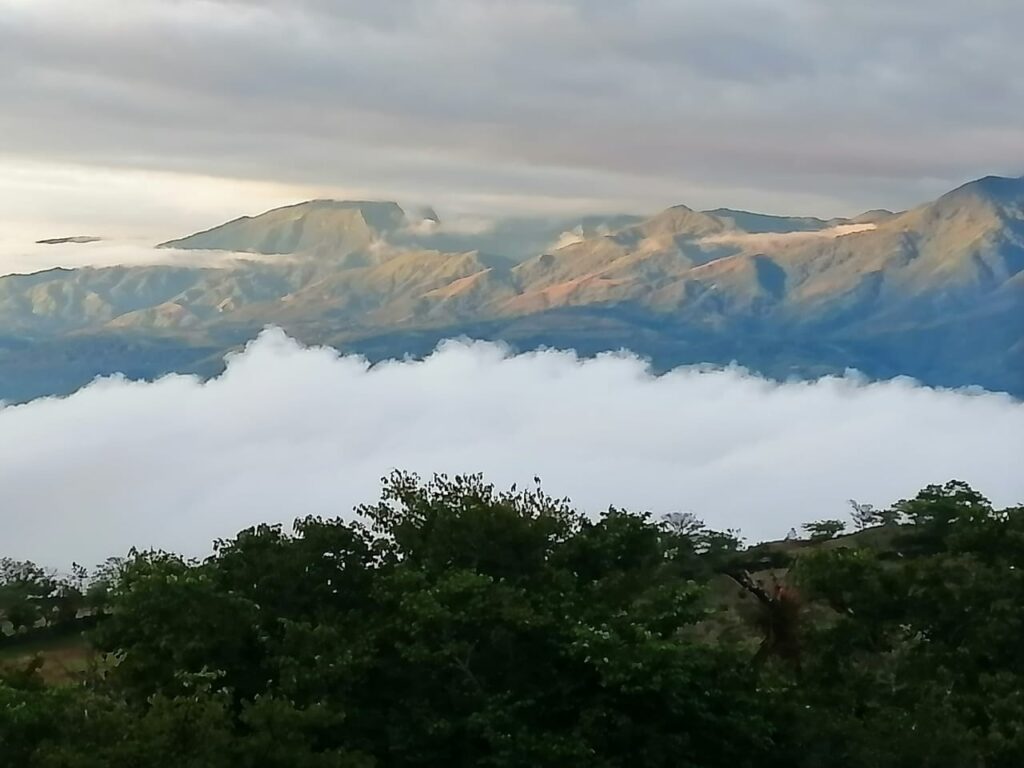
(337, 226)
(874, 216)
(996, 189)
(681, 220)
(763, 223)
(382, 215)
(969, 211)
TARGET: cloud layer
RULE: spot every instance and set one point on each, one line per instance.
(23, 257)
(768, 240)
(792, 106)
(288, 431)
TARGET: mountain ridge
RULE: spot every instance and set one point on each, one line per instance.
(678, 286)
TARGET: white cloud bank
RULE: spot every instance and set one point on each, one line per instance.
(288, 431)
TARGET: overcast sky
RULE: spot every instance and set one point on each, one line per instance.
(151, 117)
(287, 432)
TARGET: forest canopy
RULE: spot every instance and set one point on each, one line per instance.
(454, 624)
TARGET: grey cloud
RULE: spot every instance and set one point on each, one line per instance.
(288, 431)
(865, 104)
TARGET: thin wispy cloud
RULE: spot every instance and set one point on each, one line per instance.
(22, 257)
(288, 431)
(782, 239)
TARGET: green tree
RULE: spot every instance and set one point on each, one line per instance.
(823, 530)
(26, 592)
(455, 624)
(461, 626)
(917, 657)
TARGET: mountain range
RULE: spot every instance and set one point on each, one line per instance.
(935, 292)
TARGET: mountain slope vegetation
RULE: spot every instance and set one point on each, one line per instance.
(934, 292)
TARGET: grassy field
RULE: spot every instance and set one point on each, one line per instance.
(65, 658)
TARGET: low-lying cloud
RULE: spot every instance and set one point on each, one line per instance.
(289, 431)
(570, 237)
(771, 240)
(19, 257)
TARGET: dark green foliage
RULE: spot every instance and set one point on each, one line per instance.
(462, 626)
(824, 530)
(32, 597)
(922, 648)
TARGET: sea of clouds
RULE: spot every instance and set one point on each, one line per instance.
(289, 431)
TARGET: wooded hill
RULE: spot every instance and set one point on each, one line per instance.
(456, 625)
